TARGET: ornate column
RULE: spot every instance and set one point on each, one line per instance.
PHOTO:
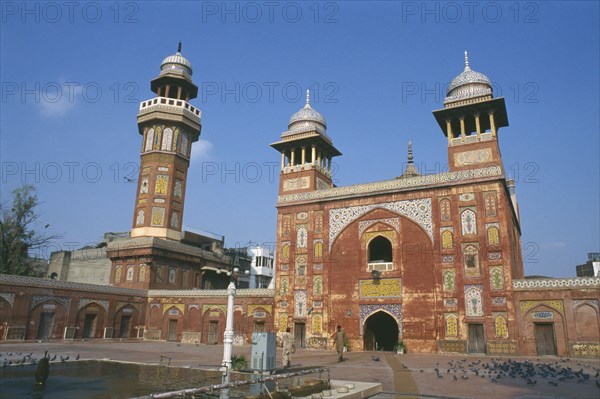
(492, 124)
(449, 129)
(478, 127)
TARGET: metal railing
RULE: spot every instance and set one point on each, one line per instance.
(191, 392)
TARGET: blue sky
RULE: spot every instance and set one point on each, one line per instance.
(73, 76)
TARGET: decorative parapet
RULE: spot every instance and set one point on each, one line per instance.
(172, 106)
(6, 279)
(243, 292)
(170, 245)
(394, 185)
(556, 283)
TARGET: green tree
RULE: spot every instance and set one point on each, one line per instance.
(17, 235)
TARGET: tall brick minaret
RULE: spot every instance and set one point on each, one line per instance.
(169, 125)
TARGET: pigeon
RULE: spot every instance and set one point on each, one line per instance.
(375, 358)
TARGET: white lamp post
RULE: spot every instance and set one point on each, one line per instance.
(228, 336)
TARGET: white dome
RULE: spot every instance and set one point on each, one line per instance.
(307, 117)
(468, 84)
(176, 62)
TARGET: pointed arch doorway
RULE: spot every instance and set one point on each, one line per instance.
(381, 332)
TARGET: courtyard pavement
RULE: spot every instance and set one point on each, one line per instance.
(408, 375)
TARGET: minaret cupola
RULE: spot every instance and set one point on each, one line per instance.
(306, 152)
(470, 119)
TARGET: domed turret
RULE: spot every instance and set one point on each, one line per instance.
(307, 119)
(175, 78)
(469, 84)
(176, 62)
(471, 118)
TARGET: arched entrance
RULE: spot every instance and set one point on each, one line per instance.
(381, 332)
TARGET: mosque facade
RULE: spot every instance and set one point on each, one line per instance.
(432, 260)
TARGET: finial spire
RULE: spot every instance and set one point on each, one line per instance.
(308, 97)
(467, 68)
(410, 170)
(179, 47)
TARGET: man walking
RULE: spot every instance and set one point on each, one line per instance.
(288, 347)
(338, 339)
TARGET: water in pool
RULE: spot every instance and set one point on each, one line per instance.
(98, 379)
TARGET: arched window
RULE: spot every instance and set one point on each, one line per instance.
(283, 286)
(445, 213)
(451, 326)
(301, 266)
(496, 278)
(118, 274)
(171, 275)
(490, 204)
(285, 251)
(149, 140)
(158, 277)
(142, 275)
(167, 140)
(473, 302)
(157, 138)
(175, 140)
(447, 241)
(302, 237)
(183, 150)
(318, 249)
(449, 280)
(380, 250)
(471, 261)
(493, 236)
(317, 324)
(318, 222)
(468, 221)
(129, 276)
(300, 304)
(501, 327)
(317, 285)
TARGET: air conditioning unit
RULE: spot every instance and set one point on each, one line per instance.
(263, 351)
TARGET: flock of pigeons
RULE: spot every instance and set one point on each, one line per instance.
(552, 373)
(22, 359)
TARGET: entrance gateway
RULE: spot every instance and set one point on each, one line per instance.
(381, 332)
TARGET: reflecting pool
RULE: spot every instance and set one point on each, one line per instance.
(100, 379)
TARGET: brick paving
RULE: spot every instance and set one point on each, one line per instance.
(401, 376)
